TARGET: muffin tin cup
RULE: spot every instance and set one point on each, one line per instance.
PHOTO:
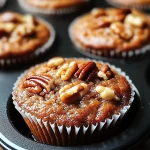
(54, 134)
(50, 11)
(12, 61)
(2, 3)
(131, 6)
(96, 53)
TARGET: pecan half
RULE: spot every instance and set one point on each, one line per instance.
(73, 92)
(86, 72)
(105, 72)
(96, 12)
(67, 70)
(38, 84)
(55, 62)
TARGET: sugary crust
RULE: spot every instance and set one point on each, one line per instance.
(90, 108)
(111, 29)
(55, 4)
(21, 34)
(132, 2)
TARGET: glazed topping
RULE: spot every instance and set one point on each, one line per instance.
(72, 91)
(112, 29)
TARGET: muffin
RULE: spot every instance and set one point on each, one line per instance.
(22, 37)
(111, 32)
(140, 4)
(65, 101)
(52, 6)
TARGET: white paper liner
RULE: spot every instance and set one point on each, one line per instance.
(105, 53)
(59, 11)
(19, 59)
(131, 6)
(54, 134)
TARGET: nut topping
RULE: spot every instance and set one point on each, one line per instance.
(39, 84)
(106, 93)
(122, 30)
(67, 70)
(24, 30)
(105, 72)
(55, 62)
(137, 21)
(7, 27)
(98, 12)
(86, 72)
(73, 92)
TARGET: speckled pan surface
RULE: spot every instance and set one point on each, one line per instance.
(135, 127)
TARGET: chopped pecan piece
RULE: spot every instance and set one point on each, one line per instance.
(24, 30)
(67, 70)
(73, 92)
(55, 62)
(7, 27)
(124, 31)
(87, 71)
(96, 12)
(137, 21)
(106, 93)
(38, 84)
(105, 72)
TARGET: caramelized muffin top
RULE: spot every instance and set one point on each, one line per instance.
(21, 34)
(130, 2)
(112, 29)
(72, 91)
(55, 4)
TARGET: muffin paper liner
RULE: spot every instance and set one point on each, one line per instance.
(131, 6)
(95, 53)
(59, 11)
(54, 134)
(25, 58)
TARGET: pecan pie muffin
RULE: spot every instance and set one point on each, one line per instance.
(112, 32)
(140, 4)
(52, 6)
(22, 36)
(63, 99)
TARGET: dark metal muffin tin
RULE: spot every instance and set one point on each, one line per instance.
(135, 127)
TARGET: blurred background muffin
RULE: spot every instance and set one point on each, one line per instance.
(52, 6)
(139, 4)
(111, 32)
(22, 37)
